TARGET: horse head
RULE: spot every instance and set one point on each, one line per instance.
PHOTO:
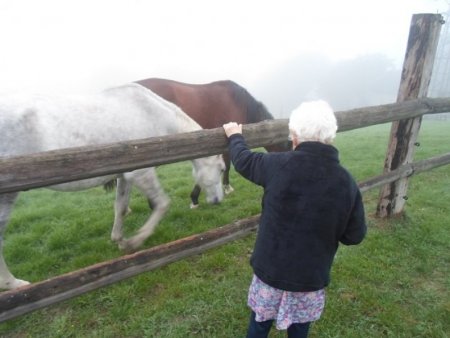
(207, 172)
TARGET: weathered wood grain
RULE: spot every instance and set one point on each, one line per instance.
(416, 76)
(53, 167)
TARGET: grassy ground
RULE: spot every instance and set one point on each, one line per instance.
(395, 284)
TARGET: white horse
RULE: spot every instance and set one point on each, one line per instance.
(35, 124)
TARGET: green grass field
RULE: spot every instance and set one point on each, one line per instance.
(395, 284)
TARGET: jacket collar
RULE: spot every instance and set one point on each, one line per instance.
(318, 149)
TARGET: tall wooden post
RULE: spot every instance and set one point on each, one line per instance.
(416, 75)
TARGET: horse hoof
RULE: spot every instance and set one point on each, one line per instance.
(14, 284)
(228, 189)
(127, 245)
(116, 239)
(194, 206)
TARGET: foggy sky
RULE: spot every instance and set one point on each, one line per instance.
(348, 52)
(363, 81)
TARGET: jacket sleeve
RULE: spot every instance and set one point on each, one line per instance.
(247, 163)
(356, 227)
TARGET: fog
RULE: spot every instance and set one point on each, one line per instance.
(348, 52)
(362, 81)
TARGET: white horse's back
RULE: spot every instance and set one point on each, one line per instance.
(117, 114)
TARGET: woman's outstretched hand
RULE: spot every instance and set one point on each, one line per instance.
(232, 128)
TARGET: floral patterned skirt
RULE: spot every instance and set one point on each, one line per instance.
(285, 307)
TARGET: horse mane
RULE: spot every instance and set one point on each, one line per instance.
(256, 110)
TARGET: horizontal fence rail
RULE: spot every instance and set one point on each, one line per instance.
(405, 171)
(65, 165)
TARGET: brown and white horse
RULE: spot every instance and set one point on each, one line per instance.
(211, 105)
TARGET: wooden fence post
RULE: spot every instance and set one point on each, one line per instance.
(416, 75)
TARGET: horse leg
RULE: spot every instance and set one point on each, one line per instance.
(121, 208)
(194, 196)
(147, 182)
(228, 189)
(7, 280)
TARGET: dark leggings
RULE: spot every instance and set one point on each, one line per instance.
(261, 329)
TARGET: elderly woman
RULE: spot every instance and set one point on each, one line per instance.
(310, 205)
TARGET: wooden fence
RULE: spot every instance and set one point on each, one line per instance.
(416, 76)
(43, 169)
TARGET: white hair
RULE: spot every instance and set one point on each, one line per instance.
(313, 121)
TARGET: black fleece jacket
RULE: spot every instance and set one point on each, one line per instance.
(310, 204)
